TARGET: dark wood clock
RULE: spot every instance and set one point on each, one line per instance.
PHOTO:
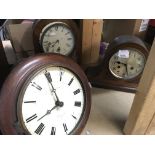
(47, 94)
(122, 65)
(57, 36)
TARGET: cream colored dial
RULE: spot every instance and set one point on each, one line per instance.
(127, 66)
(57, 37)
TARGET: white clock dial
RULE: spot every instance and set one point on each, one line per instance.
(52, 102)
(57, 37)
(128, 66)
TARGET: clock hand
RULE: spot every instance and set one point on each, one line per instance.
(57, 104)
(58, 49)
(53, 44)
(48, 76)
(121, 63)
(47, 113)
(126, 68)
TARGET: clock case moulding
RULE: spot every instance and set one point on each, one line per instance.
(9, 121)
(100, 75)
(72, 24)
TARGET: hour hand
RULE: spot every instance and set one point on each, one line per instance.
(48, 77)
(119, 62)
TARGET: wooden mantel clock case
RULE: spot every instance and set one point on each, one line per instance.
(122, 65)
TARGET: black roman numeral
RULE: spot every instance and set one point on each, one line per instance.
(74, 117)
(56, 28)
(70, 82)
(62, 29)
(76, 91)
(29, 101)
(40, 129)
(61, 73)
(31, 118)
(36, 86)
(77, 104)
(65, 127)
(53, 131)
(67, 33)
(48, 76)
(69, 38)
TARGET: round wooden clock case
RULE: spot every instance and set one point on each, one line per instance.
(103, 76)
(40, 25)
(22, 78)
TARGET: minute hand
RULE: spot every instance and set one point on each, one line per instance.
(47, 113)
(48, 76)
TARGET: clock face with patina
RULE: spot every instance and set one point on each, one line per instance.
(127, 64)
(57, 37)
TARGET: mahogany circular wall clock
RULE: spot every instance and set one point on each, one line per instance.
(47, 94)
(122, 65)
(57, 36)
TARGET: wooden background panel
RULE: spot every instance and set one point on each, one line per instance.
(151, 128)
(142, 110)
(91, 38)
(86, 40)
(96, 40)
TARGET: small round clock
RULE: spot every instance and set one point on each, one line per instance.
(127, 64)
(126, 57)
(47, 94)
(56, 36)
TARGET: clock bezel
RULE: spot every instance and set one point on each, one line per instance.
(49, 27)
(41, 23)
(23, 89)
(9, 120)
